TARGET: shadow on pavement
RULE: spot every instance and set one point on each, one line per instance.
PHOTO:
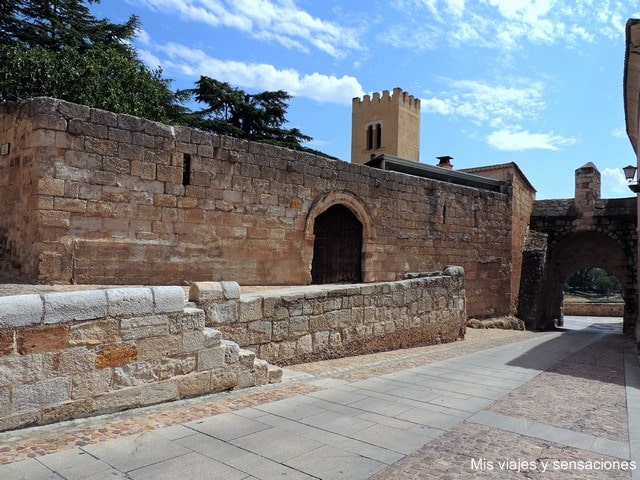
(585, 348)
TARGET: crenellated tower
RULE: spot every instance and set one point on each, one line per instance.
(387, 123)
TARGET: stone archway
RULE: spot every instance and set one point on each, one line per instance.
(585, 249)
(349, 205)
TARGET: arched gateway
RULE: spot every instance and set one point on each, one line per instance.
(573, 234)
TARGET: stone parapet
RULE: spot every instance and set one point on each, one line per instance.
(66, 355)
(594, 309)
(298, 324)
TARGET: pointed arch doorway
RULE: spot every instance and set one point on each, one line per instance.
(337, 247)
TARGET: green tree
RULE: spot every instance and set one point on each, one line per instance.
(231, 111)
(57, 24)
(56, 48)
(593, 280)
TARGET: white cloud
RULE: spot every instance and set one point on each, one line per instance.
(517, 140)
(260, 76)
(278, 21)
(613, 179)
(484, 103)
(507, 24)
(620, 132)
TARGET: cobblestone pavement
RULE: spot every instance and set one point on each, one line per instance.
(504, 404)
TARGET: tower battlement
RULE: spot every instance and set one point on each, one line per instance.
(398, 96)
(385, 123)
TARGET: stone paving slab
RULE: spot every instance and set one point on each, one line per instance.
(369, 419)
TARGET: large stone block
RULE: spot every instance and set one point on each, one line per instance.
(115, 354)
(212, 358)
(192, 319)
(69, 361)
(118, 400)
(94, 333)
(159, 392)
(194, 384)
(168, 299)
(66, 411)
(90, 384)
(42, 339)
(250, 309)
(20, 311)
(143, 327)
(35, 396)
(62, 307)
(206, 293)
(159, 347)
(130, 301)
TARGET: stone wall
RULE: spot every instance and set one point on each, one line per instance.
(594, 309)
(534, 259)
(309, 323)
(73, 354)
(92, 197)
(523, 197)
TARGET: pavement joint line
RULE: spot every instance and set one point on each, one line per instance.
(563, 436)
(632, 388)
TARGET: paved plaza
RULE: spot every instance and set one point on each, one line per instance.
(503, 404)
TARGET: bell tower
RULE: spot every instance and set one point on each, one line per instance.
(385, 124)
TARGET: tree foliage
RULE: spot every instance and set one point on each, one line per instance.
(106, 78)
(593, 281)
(231, 111)
(57, 24)
(56, 48)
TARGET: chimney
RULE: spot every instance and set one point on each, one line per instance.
(445, 162)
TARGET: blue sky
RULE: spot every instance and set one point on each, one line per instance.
(536, 82)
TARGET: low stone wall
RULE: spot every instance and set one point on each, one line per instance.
(325, 321)
(594, 309)
(73, 354)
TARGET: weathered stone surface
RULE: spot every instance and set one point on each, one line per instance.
(142, 327)
(62, 307)
(91, 384)
(206, 293)
(212, 358)
(231, 290)
(168, 299)
(212, 337)
(159, 392)
(70, 361)
(191, 319)
(232, 351)
(66, 411)
(250, 309)
(20, 311)
(6, 342)
(118, 400)
(159, 347)
(195, 384)
(5, 402)
(34, 396)
(224, 379)
(193, 341)
(130, 301)
(94, 333)
(115, 354)
(42, 339)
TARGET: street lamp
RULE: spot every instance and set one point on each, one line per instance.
(629, 174)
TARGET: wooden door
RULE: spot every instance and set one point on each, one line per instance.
(337, 250)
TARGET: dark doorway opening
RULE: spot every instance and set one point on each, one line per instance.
(337, 249)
